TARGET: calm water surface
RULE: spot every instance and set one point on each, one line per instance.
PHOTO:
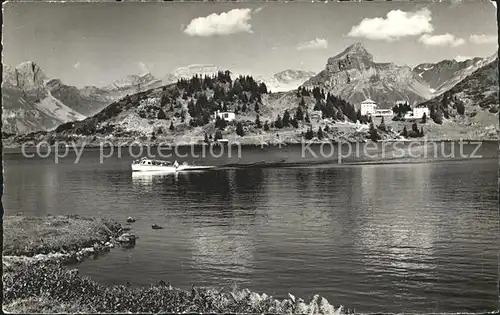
(377, 238)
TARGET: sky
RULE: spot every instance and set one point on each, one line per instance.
(97, 43)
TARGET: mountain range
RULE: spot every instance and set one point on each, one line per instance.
(24, 112)
(32, 101)
(28, 103)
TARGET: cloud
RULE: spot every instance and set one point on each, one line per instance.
(441, 40)
(226, 23)
(318, 43)
(395, 25)
(483, 39)
(460, 58)
(143, 67)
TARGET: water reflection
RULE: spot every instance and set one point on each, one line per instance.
(228, 250)
(146, 180)
(227, 247)
(404, 227)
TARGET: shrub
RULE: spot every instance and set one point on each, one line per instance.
(424, 118)
(373, 134)
(414, 127)
(382, 125)
(266, 126)
(413, 134)
(309, 134)
(437, 116)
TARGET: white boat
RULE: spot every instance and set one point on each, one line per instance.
(149, 165)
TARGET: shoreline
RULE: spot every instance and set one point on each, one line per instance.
(41, 276)
(195, 144)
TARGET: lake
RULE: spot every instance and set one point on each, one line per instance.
(397, 237)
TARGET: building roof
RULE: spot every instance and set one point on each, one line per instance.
(367, 101)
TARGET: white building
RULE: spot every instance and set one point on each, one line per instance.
(368, 107)
(227, 116)
(316, 114)
(418, 113)
(383, 113)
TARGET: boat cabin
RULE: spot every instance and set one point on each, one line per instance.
(146, 161)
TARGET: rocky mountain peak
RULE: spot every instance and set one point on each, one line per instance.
(353, 57)
(26, 76)
(356, 49)
(354, 76)
(54, 83)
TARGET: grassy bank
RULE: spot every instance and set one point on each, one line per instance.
(29, 236)
(38, 279)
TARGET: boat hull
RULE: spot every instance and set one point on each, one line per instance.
(153, 168)
(167, 169)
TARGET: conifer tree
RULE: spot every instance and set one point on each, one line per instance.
(278, 123)
(382, 125)
(239, 129)
(286, 119)
(161, 114)
(257, 122)
(405, 132)
(299, 114)
(320, 133)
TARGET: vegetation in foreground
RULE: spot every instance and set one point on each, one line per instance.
(37, 280)
(48, 288)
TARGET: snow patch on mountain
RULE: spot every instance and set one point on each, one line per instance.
(54, 108)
